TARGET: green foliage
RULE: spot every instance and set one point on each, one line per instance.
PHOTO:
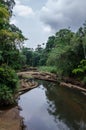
(4, 14)
(59, 56)
(11, 42)
(8, 85)
(36, 58)
(6, 96)
(15, 59)
(84, 80)
(78, 70)
(9, 4)
(68, 51)
(28, 53)
(8, 77)
(81, 69)
(11, 37)
(64, 51)
(63, 37)
(51, 69)
(50, 43)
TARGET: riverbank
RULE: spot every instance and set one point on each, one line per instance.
(10, 118)
(66, 82)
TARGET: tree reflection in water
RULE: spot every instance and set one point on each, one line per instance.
(66, 106)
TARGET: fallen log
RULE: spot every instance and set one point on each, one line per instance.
(83, 93)
(23, 90)
(69, 85)
(38, 75)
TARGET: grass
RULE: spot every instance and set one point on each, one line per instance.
(51, 69)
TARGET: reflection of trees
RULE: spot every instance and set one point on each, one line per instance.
(66, 106)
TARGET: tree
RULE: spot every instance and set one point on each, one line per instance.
(29, 55)
(11, 41)
(9, 4)
(50, 43)
(11, 38)
(8, 85)
(68, 51)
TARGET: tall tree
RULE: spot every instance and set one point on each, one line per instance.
(11, 38)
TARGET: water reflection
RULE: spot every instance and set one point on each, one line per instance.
(66, 106)
(50, 107)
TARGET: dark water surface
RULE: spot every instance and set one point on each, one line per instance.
(50, 107)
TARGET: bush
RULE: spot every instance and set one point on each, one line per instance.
(8, 85)
(80, 71)
(6, 96)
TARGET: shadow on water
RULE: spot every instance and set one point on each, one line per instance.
(66, 106)
(51, 107)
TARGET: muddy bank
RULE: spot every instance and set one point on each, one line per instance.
(10, 119)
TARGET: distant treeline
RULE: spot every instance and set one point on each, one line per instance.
(65, 52)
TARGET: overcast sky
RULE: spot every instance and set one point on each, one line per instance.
(38, 19)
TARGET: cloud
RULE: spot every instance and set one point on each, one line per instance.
(23, 10)
(47, 29)
(13, 21)
(63, 13)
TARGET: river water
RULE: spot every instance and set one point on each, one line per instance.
(51, 107)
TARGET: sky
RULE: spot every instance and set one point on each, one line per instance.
(39, 19)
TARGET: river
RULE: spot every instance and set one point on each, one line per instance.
(51, 107)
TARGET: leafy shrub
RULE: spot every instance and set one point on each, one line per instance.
(6, 96)
(8, 77)
(81, 69)
(8, 84)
